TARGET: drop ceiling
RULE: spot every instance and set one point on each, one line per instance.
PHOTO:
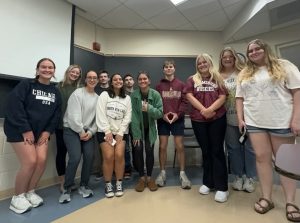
(235, 19)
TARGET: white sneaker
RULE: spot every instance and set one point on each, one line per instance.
(109, 190)
(185, 182)
(221, 196)
(249, 185)
(161, 179)
(65, 197)
(34, 199)
(19, 204)
(237, 184)
(119, 189)
(85, 191)
(204, 190)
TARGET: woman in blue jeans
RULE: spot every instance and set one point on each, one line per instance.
(241, 156)
(79, 128)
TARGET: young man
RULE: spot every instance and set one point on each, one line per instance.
(128, 85)
(103, 84)
(174, 104)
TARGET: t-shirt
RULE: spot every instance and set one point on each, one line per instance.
(269, 104)
(206, 93)
(230, 84)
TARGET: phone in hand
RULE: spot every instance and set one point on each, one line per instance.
(244, 136)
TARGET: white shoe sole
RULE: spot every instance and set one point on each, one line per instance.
(18, 211)
(110, 195)
(37, 205)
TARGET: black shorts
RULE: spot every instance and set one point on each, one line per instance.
(101, 135)
(164, 128)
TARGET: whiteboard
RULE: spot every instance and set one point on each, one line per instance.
(31, 30)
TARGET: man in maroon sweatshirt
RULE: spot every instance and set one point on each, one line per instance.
(174, 105)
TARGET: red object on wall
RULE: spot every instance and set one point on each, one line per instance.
(96, 46)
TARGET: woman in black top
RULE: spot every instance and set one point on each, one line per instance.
(32, 113)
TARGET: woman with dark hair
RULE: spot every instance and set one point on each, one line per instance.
(113, 115)
(66, 87)
(147, 107)
(32, 114)
(79, 128)
(268, 106)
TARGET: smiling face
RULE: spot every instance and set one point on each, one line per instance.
(117, 81)
(91, 79)
(228, 59)
(203, 66)
(45, 70)
(143, 81)
(74, 74)
(256, 54)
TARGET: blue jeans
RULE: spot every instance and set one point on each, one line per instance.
(241, 157)
(75, 148)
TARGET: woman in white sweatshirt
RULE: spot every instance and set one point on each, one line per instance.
(113, 115)
(79, 128)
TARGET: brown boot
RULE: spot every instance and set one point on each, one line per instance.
(140, 186)
(151, 184)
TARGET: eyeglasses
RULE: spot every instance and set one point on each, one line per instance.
(92, 78)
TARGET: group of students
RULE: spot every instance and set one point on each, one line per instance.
(259, 93)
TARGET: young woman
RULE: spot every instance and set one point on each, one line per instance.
(241, 157)
(206, 92)
(113, 118)
(79, 128)
(146, 109)
(66, 88)
(268, 105)
(32, 114)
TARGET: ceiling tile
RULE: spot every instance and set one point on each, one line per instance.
(96, 7)
(187, 26)
(168, 19)
(193, 10)
(144, 25)
(226, 3)
(213, 22)
(234, 9)
(148, 9)
(122, 17)
(84, 14)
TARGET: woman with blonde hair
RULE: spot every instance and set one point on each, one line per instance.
(66, 87)
(206, 92)
(241, 155)
(268, 105)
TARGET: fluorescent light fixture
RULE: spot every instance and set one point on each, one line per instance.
(177, 2)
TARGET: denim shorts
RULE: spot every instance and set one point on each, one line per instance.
(164, 128)
(100, 137)
(275, 132)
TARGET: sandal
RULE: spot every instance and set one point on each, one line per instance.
(289, 214)
(264, 209)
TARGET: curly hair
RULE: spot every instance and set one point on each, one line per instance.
(238, 63)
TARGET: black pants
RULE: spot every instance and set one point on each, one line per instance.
(139, 156)
(210, 136)
(61, 153)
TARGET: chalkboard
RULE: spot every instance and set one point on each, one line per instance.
(88, 60)
(185, 66)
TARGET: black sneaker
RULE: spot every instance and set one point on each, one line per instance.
(127, 175)
(109, 190)
(98, 176)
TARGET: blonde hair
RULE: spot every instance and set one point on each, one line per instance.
(275, 70)
(66, 76)
(214, 74)
(238, 63)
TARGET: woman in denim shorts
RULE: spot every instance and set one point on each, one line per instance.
(268, 105)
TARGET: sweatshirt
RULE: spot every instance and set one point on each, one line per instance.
(173, 97)
(113, 115)
(81, 112)
(32, 106)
